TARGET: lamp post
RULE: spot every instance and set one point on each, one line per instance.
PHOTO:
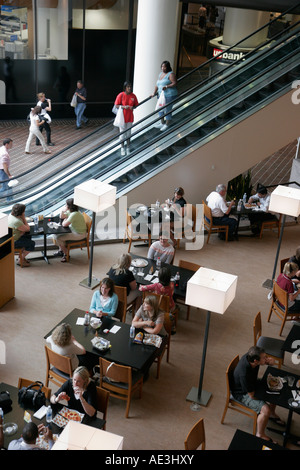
(286, 201)
(211, 291)
(95, 196)
(3, 224)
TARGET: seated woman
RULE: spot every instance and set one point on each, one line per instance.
(161, 249)
(80, 392)
(63, 342)
(17, 222)
(296, 259)
(164, 286)
(104, 301)
(284, 281)
(74, 219)
(149, 317)
(262, 199)
(122, 276)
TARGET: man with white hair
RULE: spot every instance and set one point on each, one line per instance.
(220, 210)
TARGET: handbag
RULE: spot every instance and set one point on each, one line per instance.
(30, 397)
(161, 100)
(74, 101)
(119, 119)
(5, 401)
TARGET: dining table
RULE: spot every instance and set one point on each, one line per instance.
(245, 441)
(18, 414)
(292, 342)
(242, 212)
(285, 394)
(122, 349)
(47, 226)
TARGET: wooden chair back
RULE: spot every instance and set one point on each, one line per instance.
(118, 380)
(209, 225)
(279, 306)
(26, 383)
(59, 368)
(102, 402)
(122, 304)
(132, 235)
(257, 328)
(282, 263)
(163, 300)
(196, 437)
(233, 404)
(168, 329)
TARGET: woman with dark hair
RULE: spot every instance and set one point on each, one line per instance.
(285, 281)
(296, 259)
(17, 222)
(262, 200)
(34, 130)
(128, 102)
(166, 82)
(164, 286)
(74, 219)
(104, 301)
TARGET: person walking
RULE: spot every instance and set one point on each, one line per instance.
(81, 94)
(5, 164)
(46, 108)
(34, 130)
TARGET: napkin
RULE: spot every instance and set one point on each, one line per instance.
(148, 277)
(80, 321)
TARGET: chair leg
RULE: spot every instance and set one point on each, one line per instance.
(129, 246)
(224, 413)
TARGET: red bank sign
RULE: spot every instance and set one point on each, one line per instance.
(229, 56)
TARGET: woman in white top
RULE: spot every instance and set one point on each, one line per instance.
(63, 342)
(34, 131)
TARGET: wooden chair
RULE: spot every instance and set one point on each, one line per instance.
(26, 383)
(279, 306)
(123, 307)
(18, 251)
(193, 267)
(132, 235)
(168, 328)
(59, 368)
(120, 381)
(231, 402)
(270, 224)
(196, 437)
(192, 216)
(85, 242)
(164, 303)
(210, 227)
(271, 346)
(102, 402)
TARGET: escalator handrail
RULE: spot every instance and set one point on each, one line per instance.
(180, 96)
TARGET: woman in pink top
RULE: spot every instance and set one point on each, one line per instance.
(284, 281)
(164, 286)
(128, 101)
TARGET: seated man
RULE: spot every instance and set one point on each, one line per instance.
(161, 249)
(220, 211)
(29, 436)
(244, 385)
(262, 199)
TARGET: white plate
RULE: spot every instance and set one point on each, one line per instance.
(142, 208)
(139, 263)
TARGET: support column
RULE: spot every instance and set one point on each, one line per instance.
(240, 23)
(156, 41)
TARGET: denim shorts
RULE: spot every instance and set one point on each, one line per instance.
(255, 405)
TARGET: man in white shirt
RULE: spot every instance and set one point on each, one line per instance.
(29, 436)
(220, 211)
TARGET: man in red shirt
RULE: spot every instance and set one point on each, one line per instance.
(128, 101)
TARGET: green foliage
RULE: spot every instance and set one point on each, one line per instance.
(238, 186)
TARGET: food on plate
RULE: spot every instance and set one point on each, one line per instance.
(74, 415)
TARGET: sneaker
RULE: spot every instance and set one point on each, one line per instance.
(158, 125)
(59, 253)
(164, 127)
(64, 259)
(47, 151)
(51, 144)
(123, 151)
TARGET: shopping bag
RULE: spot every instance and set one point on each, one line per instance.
(74, 101)
(161, 100)
(119, 119)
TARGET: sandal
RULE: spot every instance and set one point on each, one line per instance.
(64, 259)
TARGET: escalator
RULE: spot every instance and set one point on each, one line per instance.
(200, 113)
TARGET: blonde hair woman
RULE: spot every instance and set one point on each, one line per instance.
(63, 342)
(80, 392)
(122, 276)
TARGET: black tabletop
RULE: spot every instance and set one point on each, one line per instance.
(16, 415)
(284, 395)
(294, 335)
(122, 351)
(45, 229)
(245, 441)
(179, 289)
